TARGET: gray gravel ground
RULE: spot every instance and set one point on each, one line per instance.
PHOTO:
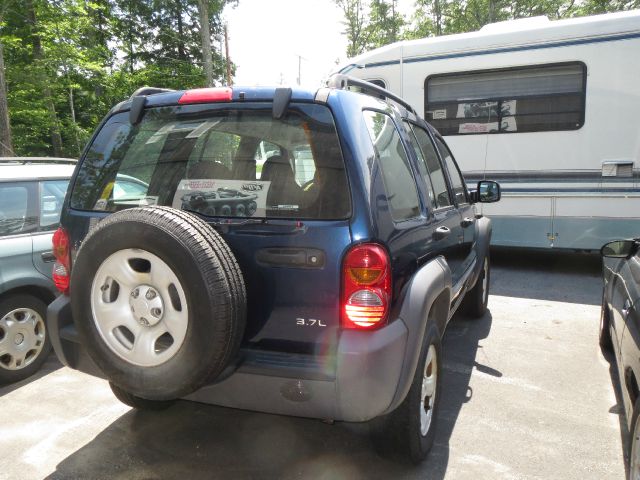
(526, 395)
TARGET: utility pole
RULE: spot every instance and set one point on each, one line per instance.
(205, 36)
(300, 58)
(226, 49)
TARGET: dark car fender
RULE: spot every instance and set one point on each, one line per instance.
(426, 300)
(483, 230)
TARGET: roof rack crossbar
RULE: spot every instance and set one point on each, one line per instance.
(25, 160)
(342, 82)
(143, 91)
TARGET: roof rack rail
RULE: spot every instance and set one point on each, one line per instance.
(343, 82)
(25, 160)
(143, 91)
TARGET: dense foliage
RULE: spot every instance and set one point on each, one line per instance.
(374, 23)
(67, 62)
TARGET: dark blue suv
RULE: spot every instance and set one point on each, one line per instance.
(296, 252)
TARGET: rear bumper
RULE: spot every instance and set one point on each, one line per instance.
(356, 383)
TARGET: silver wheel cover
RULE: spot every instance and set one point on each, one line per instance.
(139, 307)
(429, 387)
(22, 336)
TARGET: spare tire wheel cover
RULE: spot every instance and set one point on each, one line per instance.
(153, 303)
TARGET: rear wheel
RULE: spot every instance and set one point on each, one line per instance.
(410, 429)
(604, 334)
(137, 402)
(634, 455)
(476, 299)
(24, 340)
(164, 309)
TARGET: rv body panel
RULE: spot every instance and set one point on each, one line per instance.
(575, 188)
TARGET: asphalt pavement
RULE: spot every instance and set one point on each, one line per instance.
(526, 395)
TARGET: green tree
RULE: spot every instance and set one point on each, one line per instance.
(354, 22)
(385, 23)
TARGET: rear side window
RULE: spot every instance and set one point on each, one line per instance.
(17, 213)
(218, 161)
(434, 167)
(457, 183)
(397, 176)
(523, 99)
(52, 194)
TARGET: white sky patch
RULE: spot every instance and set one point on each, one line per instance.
(266, 38)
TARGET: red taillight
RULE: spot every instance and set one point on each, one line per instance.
(366, 287)
(205, 95)
(61, 269)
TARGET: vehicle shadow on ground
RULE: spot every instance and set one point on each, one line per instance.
(50, 365)
(618, 409)
(192, 440)
(550, 276)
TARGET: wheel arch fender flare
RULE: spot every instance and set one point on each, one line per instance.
(483, 231)
(426, 301)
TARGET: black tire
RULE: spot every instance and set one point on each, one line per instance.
(241, 210)
(225, 210)
(634, 443)
(476, 300)
(137, 402)
(604, 333)
(399, 432)
(215, 298)
(33, 359)
(251, 208)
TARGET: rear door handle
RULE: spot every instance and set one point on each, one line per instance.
(626, 309)
(441, 232)
(48, 257)
(466, 222)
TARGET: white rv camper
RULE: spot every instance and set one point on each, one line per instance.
(550, 109)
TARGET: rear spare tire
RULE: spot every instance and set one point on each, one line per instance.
(158, 300)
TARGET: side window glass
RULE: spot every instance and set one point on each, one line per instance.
(264, 151)
(52, 194)
(212, 154)
(459, 190)
(15, 217)
(305, 167)
(397, 176)
(436, 174)
(422, 165)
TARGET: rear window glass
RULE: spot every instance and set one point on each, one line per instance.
(218, 161)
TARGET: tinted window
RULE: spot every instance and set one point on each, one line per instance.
(218, 162)
(397, 176)
(459, 190)
(527, 99)
(432, 163)
(52, 194)
(16, 213)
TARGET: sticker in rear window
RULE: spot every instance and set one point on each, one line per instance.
(224, 198)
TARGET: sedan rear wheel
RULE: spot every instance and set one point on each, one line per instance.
(24, 342)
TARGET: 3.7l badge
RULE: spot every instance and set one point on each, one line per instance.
(310, 322)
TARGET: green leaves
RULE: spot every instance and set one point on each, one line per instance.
(375, 23)
(67, 62)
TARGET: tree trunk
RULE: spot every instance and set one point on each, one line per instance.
(205, 36)
(181, 50)
(6, 146)
(438, 13)
(38, 55)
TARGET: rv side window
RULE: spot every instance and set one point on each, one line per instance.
(378, 82)
(524, 99)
